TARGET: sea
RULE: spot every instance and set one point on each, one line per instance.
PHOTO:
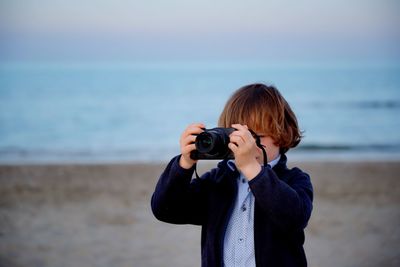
(96, 112)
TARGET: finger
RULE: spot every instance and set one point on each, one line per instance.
(190, 139)
(192, 129)
(195, 128)
(233, 147)
(243, 133)
(198, 124)
(236, 139)
(239, 126)
(189, 148)
(238, 133)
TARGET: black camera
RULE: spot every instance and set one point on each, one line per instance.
(213, 144)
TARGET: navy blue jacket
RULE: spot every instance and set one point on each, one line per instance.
(283, 204)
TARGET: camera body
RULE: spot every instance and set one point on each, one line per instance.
(213, 144)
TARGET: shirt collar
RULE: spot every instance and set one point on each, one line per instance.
(275, 161)
(272, 163)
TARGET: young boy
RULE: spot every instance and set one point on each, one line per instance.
(251, 214)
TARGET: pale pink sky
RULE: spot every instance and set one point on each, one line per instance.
(254, 29)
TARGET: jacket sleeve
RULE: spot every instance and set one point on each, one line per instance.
(177, 199)
(289, 204)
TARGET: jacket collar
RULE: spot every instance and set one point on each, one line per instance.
(281, 165)
(227, 171)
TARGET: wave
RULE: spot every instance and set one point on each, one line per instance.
(14, 155)
(373, 104)
(378, 104)
(348, 147)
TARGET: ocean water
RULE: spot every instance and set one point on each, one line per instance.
(112, 112)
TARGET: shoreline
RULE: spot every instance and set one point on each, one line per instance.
(141, 157)
(292, 157)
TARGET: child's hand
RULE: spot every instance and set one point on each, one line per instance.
(187, 144)
(245, 150)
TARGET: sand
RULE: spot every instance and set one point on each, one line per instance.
(99, 215)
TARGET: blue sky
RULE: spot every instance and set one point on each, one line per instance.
(222, 29)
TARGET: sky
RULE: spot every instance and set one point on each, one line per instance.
(197, 30)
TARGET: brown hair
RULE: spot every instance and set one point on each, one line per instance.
(264, 110)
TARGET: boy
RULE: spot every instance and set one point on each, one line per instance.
(251, 214)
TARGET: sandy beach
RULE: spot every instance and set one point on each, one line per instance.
(99, 215)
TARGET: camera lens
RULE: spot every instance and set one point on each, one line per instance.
(204, 143)
(213, 144)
